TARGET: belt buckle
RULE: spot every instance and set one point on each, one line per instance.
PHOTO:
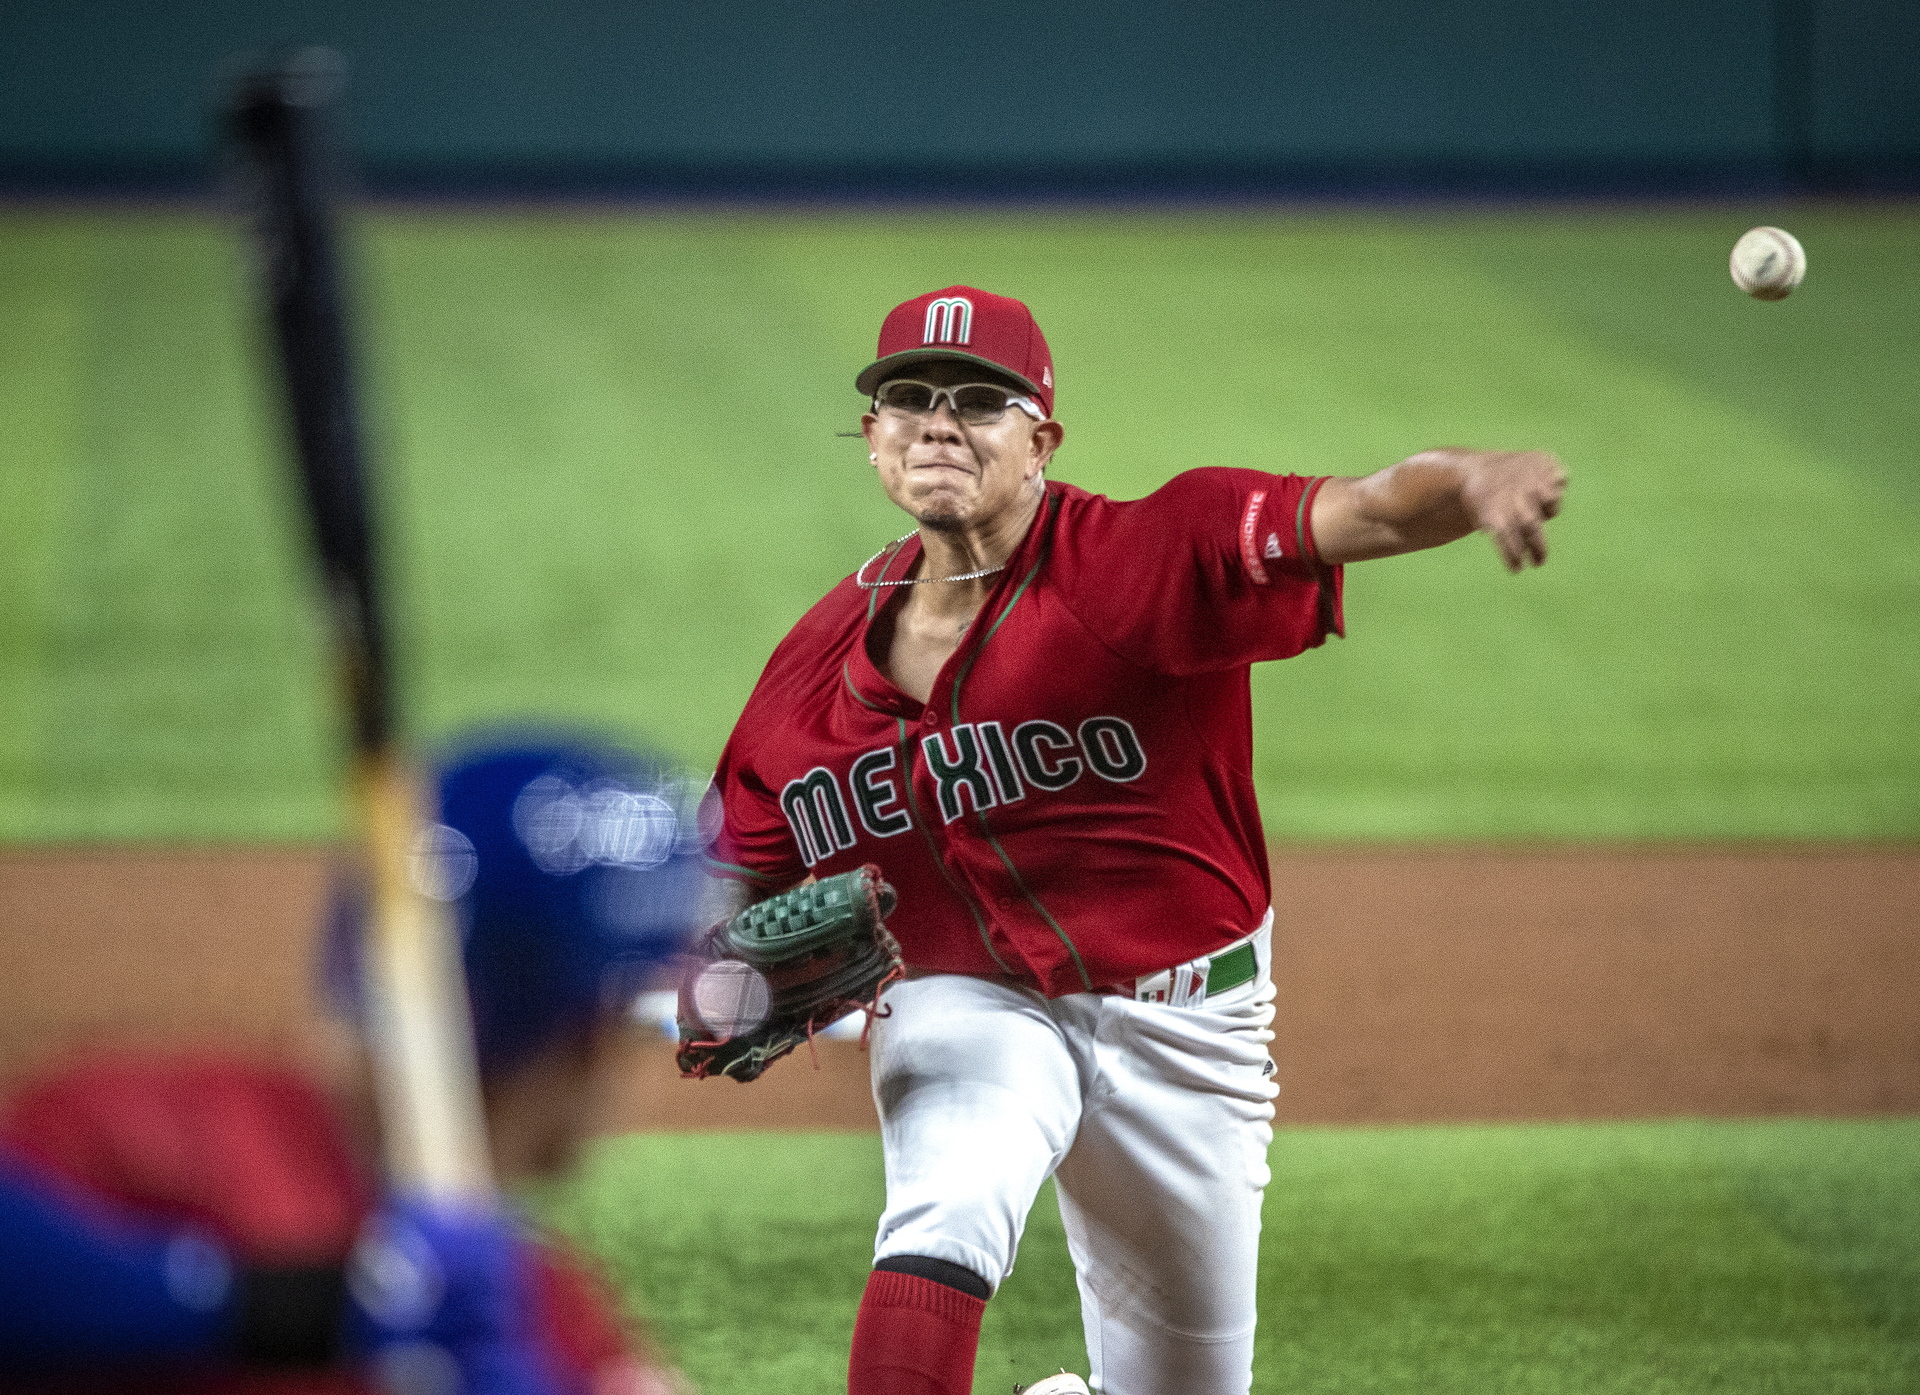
(1182, 986)
(1152, 988)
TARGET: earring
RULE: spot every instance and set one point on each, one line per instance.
(874, 457)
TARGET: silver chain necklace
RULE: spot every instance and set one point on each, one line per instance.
(860, 577)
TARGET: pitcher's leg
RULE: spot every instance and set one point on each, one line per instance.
(978, 1098)
(1161, 1196)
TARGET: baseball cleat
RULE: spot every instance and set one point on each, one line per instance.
(1066, 1383)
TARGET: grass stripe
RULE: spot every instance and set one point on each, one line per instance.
(1737, 1257)
(590, 518)
(41, 284)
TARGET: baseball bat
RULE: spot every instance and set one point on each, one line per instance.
(419, 1026)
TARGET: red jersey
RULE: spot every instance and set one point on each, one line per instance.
(257, 1156)
(1073, 806)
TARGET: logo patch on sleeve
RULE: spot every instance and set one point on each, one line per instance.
(1273, 552)
(1249, 531)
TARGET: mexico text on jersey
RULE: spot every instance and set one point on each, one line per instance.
(1073, 806)
(975, 765)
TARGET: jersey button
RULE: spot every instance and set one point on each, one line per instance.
(928, 718)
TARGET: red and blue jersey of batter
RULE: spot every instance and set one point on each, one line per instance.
(1073, 806)
(257, 1156)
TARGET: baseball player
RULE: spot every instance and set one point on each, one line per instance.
(192, 1221)
(1032, 713)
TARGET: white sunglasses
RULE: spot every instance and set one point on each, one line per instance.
(974, 404)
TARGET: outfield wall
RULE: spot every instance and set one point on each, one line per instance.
(1413, 985)
(987, 97)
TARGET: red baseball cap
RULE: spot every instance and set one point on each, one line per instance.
(968, 325)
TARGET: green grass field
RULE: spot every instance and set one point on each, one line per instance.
(614, 482)
(1642, 1259)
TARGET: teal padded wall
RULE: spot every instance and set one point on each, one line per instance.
(866, 89)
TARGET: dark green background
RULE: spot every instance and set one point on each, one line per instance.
(862, 91)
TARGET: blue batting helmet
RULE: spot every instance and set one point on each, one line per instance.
(572, 871)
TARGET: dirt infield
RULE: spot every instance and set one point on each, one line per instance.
(1414, 985)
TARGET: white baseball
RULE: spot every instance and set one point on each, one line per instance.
(731, 998)
(1066, 1383)
(1767, 263)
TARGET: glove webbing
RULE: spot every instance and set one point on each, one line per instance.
(785, 927)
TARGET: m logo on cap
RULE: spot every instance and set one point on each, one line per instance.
(949, 321)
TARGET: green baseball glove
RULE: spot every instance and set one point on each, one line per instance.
(781, 970)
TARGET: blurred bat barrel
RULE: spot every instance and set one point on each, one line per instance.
(418, 1019)
(285, 174)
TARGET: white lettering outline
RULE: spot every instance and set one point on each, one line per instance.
(1096, 732)
(817, 813)
(870, 803)
(947, 311)
(968, 769)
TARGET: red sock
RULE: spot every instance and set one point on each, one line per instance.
(914, 1337)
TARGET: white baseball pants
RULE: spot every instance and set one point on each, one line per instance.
(1154, 1121)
